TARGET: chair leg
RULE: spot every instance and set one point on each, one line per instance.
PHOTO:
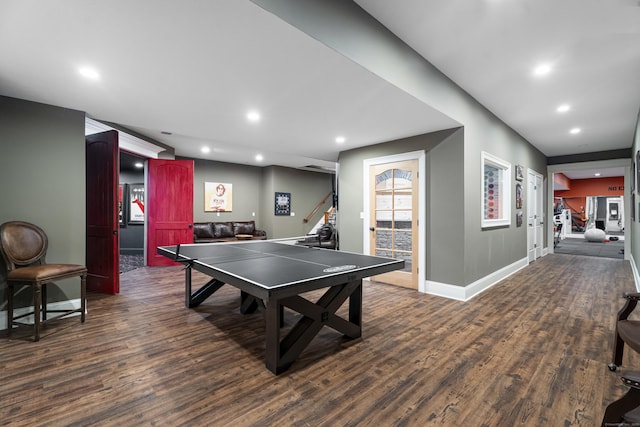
(43, 296)
(37, 300)
(83, 296)
(9, 309)
(618, 351)
(614, 414)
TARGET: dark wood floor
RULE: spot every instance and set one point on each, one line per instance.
(530, 351)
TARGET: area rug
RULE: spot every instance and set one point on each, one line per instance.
(130, 262)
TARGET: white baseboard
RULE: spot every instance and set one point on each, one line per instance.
(465, 293)
(62, 305)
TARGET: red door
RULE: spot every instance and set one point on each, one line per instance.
(103, 240)
(169, 206)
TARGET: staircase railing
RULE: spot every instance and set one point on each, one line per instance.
(317, 207)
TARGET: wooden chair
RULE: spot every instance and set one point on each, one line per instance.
(24, 247)
(626, 410)
(627, 331)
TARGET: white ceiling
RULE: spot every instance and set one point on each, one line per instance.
(194, 68)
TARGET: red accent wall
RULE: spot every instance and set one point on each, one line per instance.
(606, 187)
(575, 199)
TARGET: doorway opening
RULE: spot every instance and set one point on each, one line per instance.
(131, 202)
(590, 211)
(394, 221)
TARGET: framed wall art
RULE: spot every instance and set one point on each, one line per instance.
(519, 172)
(496, 191)
(282, 204)
(136, 203)
(218, 197)
(122, 204)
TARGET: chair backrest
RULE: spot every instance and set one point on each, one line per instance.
(22, 243)
(326, 232)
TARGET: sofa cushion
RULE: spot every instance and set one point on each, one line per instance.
(203, 230)
(223, 229)
(244, 227)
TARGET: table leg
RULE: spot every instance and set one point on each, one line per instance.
(281, 353)
(194, 299)
(273, 320)
(187, 286)
(355, 308)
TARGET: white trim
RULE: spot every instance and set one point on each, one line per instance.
(634, 269)
(465, 293)
(504, 189)
(126, 141)
(422, 197)
(545, 249)
(61, 305)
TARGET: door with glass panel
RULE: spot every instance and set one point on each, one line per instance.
(393, 223)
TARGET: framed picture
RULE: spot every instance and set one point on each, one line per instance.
(283, 204)
(519, 216)
(122, 204)
(136, 203)
(519, 172)
(495, 191)
(218, 197)
(518, 196)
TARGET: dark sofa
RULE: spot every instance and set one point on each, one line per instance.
(212, 232)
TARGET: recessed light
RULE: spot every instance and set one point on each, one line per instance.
(205, 150)
(259, 157)
(597, 174)
(139, 165)
(340, 139)
(575, 131)
(253, 116)
(563, 108)
(89, 73)
(542, 69)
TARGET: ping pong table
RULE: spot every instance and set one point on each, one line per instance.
(272, 275)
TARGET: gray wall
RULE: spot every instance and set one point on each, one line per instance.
(246, 189)
(346, 28)
(42, 170)
(254, 191)
(444, 204)
(307, 190)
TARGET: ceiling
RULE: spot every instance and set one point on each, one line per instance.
(186, 73)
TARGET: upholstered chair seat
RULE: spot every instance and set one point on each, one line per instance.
(24, 248)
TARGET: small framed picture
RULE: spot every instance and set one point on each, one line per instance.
(519, 215)
(136, 203)
(519, 172)
(283, 204)
(518, 196)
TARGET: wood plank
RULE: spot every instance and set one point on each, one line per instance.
(532, 350)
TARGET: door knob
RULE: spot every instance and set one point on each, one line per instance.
(372, 229)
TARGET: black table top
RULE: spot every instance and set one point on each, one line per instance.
(271, 265)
